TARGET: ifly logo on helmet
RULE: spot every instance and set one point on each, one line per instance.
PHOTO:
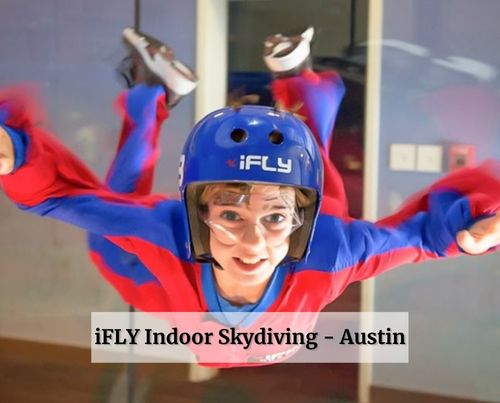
(283, 166)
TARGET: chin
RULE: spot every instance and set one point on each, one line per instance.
(250, 279)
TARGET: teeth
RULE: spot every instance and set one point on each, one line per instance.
(250, 261)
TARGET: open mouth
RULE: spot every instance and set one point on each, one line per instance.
(249, 264)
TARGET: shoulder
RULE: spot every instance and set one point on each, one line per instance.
(168, 227)
(329, 249)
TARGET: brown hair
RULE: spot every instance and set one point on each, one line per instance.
(197, 198)
(212, 190)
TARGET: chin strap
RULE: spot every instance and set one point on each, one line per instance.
(209, 259)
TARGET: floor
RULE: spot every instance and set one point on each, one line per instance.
(36, 372)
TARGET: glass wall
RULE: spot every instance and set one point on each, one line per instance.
(69, 49)
(440, 86)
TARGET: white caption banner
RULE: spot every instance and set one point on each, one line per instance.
(246, 339)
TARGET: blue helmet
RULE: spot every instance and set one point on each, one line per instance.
(250, 144)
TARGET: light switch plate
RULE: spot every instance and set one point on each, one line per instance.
(402, 157)
(429, 158)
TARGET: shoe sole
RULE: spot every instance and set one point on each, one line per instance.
(174, 74)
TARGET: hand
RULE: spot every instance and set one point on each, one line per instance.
(6, 153)
(481, 236)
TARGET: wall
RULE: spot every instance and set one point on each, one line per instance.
(70, 48)
(453, 305)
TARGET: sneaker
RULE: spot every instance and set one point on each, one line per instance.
(287, 55)
(153, 62)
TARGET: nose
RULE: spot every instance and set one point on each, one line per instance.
(253, 239)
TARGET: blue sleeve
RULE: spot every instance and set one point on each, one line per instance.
(359, 250)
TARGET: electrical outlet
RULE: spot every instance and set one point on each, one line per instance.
(429, 158)
(402, 157)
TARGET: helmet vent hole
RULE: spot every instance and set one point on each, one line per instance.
(239, 135)
(276, 137)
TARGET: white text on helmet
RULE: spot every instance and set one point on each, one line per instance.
(181, 169)
(247, 161)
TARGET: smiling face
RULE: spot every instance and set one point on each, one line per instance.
(250, 230)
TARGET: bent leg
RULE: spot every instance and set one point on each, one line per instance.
(144, 110)
(315, 98)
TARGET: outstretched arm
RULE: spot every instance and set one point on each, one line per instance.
(42, 176)
(458, 214)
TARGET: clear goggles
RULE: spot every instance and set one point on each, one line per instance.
(262, 212)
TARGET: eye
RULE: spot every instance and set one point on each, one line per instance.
(275, 218)
(230, 215)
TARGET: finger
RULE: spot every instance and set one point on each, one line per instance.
(6, 165)
(496, 222)
(474, 245)
(6, 153)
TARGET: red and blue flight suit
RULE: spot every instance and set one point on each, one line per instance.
(139, 242)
